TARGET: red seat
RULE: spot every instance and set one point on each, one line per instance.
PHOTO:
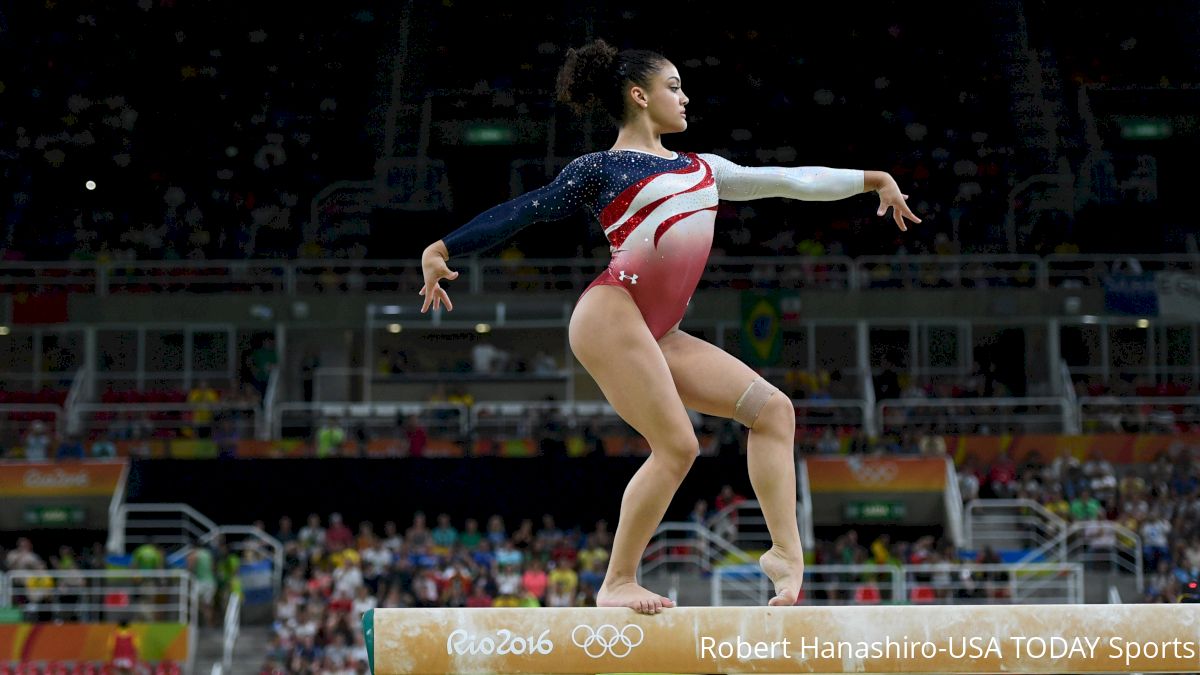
(867, 594)
(922, 594)
(113, 600)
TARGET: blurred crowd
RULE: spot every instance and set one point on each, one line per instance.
(333, 575)
(207, 130)
(1159, 502)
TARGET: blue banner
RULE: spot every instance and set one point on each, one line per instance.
(1132, 294)
(256, 582)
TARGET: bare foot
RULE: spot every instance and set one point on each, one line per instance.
(786, 573)
(631, 595)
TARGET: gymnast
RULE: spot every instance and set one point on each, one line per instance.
(657, 209)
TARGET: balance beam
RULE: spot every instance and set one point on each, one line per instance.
(877, 639)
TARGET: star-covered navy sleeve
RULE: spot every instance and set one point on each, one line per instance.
(576, 186)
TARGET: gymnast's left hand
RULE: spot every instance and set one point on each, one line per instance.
(891, 197)
(433, 266)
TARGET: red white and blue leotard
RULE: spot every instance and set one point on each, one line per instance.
(657, 214)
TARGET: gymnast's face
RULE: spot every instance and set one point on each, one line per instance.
(663, 99)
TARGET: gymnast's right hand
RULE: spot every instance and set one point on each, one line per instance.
(433, 265)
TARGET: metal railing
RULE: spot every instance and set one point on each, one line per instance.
(743, 524)
(953, 503)
(301, 419)
(1030, 414)
(233, 626)
(689, 546)
(83, 388)
(262, 426)
(939, 583)
(16, 420)
(102, 595)
(937, 271)
(171, 526)
(251, 542)
(573, 274)
(1010, 524)
(804, 506)
(1106, 544)
(1149, 414)
(175, 418)
(530, 418)
(1089, 271)
(1067, 389)
(107, 596)
(179, 528)
(1043, 414)
(1098, 544)
(832, 413)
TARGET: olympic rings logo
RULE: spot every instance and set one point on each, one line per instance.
(607, 639)
(874, 472)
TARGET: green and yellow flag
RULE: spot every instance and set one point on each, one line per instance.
(762, 332)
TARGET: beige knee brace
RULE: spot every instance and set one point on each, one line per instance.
(752, 401)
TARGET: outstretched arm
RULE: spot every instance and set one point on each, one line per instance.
(809, 183)
(570, 190)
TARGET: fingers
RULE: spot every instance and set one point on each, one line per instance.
(907, 213)
(429, 299)
(900, 211)
(437, 296)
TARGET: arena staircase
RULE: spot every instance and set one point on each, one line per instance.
(248, 653)
(1024, 531)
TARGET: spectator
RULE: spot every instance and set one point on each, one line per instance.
(509, 555)
(263, 360)
(202, 398)
(1085, 507)
(471, 536)
(887, 384)
(148, 556)
(563, 577)
(968, 481)
(312, 535)
(444, 535)
(479, 595)
(70, 448)
(338, 537)
(124, 649)
(329, 438)
(418, 534)
(1002, 477)
(37, 442)
(496, 533)
(104, 447)
(534, 581)
(200, 564)
(1154, 531)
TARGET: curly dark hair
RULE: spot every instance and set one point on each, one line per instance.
(595, 76)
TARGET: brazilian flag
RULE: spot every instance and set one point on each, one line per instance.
(762, 332)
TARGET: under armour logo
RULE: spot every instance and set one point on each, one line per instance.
(607, 639)
(631, 277)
